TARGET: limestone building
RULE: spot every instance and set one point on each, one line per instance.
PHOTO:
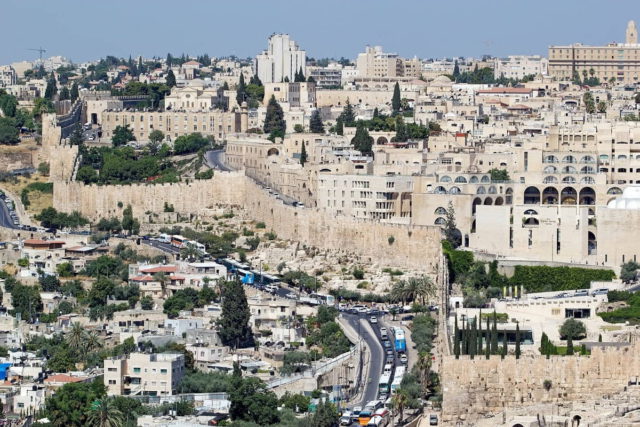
(143, 374)
(373, 62)
(519, 66)
(282, 59)
(619, 62)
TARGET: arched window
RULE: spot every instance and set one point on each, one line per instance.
(441, 211)
(587, 170)
(440, 221)
(622, 157)
(445, 179)
(531, 196)
(587, 180)
(440, 190)
(492, 190)
(474, 180)
(588, 159)
(485, 179)
(550, 169)
(461, 179)
(531, 212)
(569, 159)
(551, 159)
(614, 190)
(454, 190)
(569, 169)
(481, 190)
(604, 157)
(569, 180)
(550, 180)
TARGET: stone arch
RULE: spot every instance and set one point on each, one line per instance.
(477, 201)
(273, 152)
(461, 180)
(481, 190)
(568, 180)
(550, 196)
(550, 180)
(492, 190)
(499, 201)
(530, 221)
(474, 180)
(531, 196)
(445, 178)
(485, 179)
(488, 201)
(509, 196)
(440, 190)
(454, 190)
(440, 221)
(381, 140)
(440, 211)
(587, 196)
(568, 196)
(614, 190)
(592, 243)
(550, 169)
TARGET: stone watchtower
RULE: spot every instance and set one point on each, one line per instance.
(632, 33)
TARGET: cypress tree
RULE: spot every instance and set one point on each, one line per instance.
(234, 329)
(456, 339)
(505, 347)
(599, 337)
(274, 123)
(315, 123)
(494, 334)
(487, 350)
(52, 87)
(479, 321)
(517, 340)
(171, 79)
(169, 60)
(456, 71)
(303, 155)
(376, 113)
(401, 130)
(339, 127)
(473, 340)
(362, 141)
(74, 92)
(241, 91)
(348, 115)
(395, 100)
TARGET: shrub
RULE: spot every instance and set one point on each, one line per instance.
(358, 274)
(261, 225)
(545, 279)
(391, 239)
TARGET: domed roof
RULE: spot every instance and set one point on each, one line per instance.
(630, 199)
(441, 80)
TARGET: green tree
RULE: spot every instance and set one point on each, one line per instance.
(122, 135)
(572, 328)
(348, 116)
(570, 347)
(71, 404)
(171, 79)
(396, 102)
(303, 154)
(274, 123)
(628, 271)
(339, 127)
(76, 338)
(146, 303)
(241, 91)
(602, 107)
(251, 401)
(456, 339)
(64, 94)
(401, 130)
(233, 325)
(518, 340)
(76, 137)
(8, 131)
(129, 223)
(399, 402)
(49, 283)
(456, 71)
(51, 89)
(26, 301)
(87, 174)
(156, 136)
(451, 233)
(74, 94)
(362, 141)
(325, 415)
(315, 123)
(499, 174)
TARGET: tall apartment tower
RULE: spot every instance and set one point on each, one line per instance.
(283, 58)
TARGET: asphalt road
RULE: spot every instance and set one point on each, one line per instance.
(215, 160)
(376, 361)
(5, 219)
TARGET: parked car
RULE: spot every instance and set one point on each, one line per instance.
(386, 344)
(373, 319)
(601, 291)
(433, 420)
(404, 359)
(581, 293)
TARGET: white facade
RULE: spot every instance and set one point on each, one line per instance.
(519, 66)
(283, 58)
(8, 76)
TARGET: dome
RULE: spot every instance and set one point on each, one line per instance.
(441, 81)
(630, 199)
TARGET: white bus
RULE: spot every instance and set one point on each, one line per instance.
(324, 299)
(397, 378)
(384, 384)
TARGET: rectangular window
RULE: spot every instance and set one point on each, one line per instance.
(163, 371)
(136, 370)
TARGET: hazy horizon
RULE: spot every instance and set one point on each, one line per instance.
(83, 32)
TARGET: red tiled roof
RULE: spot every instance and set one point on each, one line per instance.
(160, 269)
(174, 277)
(145, 278)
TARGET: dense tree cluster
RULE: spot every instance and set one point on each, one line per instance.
(51, 218)
(325, 333)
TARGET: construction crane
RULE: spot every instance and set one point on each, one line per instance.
(40, 50)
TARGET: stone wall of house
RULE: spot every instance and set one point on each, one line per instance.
(473, 389)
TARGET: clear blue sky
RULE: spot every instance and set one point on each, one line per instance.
(90, 29)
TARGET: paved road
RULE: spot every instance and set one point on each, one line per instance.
(5, 219)
(215, 160)
(376, 360)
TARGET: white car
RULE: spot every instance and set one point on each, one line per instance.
(373, 319)
(404, 359)
(291, 295)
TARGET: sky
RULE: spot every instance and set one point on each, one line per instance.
(84, 30)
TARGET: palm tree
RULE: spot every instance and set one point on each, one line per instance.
(162, 278)
(93, 341)
(424, 365)
(76, 338)
(398, 402)
(189, 252)
(105, 414)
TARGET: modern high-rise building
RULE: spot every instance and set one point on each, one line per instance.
(614, 62)
(282, 59)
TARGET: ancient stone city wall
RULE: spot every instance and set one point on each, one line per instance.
(414, 247)
(473, 388)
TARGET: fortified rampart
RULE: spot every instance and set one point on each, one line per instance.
(414, 247)
(475, 388)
